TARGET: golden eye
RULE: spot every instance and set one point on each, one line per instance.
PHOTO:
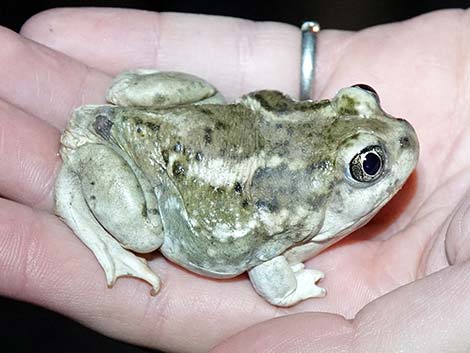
(367, 165)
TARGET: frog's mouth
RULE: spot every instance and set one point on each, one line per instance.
(332, 235)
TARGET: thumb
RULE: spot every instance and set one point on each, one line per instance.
(305, 332)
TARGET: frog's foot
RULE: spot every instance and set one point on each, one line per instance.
(284, 285)
(116, 261)
(156, 89)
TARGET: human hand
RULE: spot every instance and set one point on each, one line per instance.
(420, 70)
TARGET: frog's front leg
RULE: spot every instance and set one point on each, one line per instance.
(155, 89)
(97, 193)
(283, 284)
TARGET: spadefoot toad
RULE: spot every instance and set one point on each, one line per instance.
(260, 185)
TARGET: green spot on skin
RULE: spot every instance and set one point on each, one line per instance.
(166, 156)
(347, 106)
(153, 126)
(144, 210)
(208, 135)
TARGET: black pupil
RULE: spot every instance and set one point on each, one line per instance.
(371, 163)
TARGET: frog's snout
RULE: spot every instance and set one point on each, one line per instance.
(408, 138)
(408, 144)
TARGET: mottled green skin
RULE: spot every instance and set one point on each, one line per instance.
(292, 148)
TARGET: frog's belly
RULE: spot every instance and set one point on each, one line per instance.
(224, 259)
(208, 256)
(206, 262)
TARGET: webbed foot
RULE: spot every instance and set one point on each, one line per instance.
(284, 285)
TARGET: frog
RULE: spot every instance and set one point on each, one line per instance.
(259, 185)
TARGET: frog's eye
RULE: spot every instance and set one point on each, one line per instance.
(368, 89)
(367, 165)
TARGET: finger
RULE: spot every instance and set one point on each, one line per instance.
(45, 83)
(427, 316)
(29, 157)
(176, 42)
(236, 55)
(42, 262)
(456, 236)
(305, 332)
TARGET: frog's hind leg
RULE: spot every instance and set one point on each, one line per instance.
(154, 89)
(115, 261)
(283, 284)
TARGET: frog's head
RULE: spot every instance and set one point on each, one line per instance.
(376, 153)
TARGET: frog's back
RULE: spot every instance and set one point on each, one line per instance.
(227, 195)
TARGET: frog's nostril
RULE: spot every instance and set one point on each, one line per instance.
(405, 142)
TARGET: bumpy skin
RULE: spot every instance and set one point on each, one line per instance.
(259, 186)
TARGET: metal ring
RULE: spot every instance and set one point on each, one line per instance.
(309, 30)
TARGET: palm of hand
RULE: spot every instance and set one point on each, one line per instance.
(421, 74)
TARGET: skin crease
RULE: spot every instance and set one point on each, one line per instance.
(419, 67)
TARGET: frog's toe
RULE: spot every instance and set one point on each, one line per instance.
(127, 264)
(306, 284)
(283, 284)
(306, 288)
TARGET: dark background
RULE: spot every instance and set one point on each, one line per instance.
(27, 328)
(339, 14)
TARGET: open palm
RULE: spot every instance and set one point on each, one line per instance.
(421, 70)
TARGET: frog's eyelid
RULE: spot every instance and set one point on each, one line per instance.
(369, 89)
